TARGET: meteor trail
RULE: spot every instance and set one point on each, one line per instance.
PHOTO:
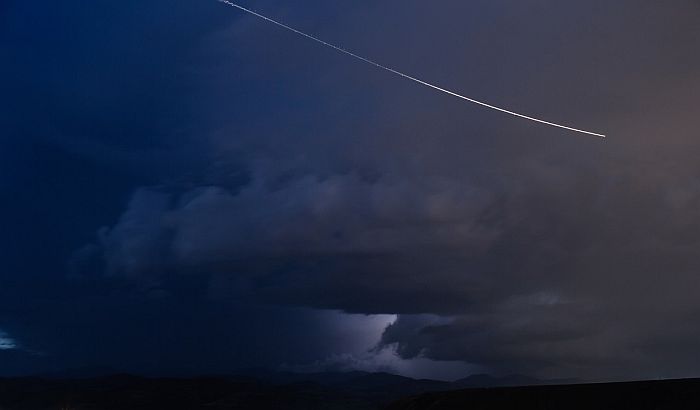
(391, 70)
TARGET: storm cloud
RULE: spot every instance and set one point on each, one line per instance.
(296, 183)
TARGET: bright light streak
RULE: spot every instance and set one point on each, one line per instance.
(391, 70)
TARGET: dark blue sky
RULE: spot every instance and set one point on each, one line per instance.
(186, 189)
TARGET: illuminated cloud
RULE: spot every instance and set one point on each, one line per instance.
(6, 342)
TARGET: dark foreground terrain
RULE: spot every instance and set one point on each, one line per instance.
(656, 395)
(82, 389)
(361, 391)
(341, 391)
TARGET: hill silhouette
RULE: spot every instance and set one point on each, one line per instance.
(81, 389)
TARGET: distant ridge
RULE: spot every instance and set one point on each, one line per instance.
(103, 388)
(87, 372)
(486, 380)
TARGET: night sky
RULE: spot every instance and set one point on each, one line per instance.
(186, 189)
